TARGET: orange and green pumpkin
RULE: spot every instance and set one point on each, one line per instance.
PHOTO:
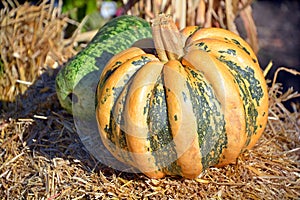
(197, 101)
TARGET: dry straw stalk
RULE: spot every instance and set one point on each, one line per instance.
(31, 39)
(203, 13)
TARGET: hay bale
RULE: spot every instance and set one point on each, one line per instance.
(31, 39)
(203, 13)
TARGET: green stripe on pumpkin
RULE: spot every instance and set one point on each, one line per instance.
(116, 91)
(250, 88)
(117, 126)
(210, 118)
(161, 140)
(250, 91)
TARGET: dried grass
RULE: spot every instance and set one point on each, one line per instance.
(42, 157)
(31, 38)
(204, 13)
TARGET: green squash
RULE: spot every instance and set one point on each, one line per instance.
(77, 80)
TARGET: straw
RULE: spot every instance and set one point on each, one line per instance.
(42, 157)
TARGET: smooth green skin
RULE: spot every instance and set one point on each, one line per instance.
(77, 78)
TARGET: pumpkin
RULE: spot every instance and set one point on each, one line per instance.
(198, 100)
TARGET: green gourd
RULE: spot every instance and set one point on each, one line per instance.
(77, 80)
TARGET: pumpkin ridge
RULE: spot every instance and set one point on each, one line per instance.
(183, 127)
(136, 118)
(249, 106)
(110, 91)
(117, 127)
(207, 110)
(161, 140)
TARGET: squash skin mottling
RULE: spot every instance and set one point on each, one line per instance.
(242, 63)
(116, 35)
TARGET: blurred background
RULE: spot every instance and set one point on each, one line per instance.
(278, 28)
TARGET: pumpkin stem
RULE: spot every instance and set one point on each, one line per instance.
(167, 38)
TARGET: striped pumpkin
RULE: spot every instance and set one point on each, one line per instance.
(197, 101)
